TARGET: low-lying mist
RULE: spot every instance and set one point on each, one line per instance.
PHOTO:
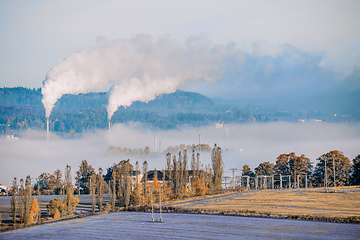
(241, 144)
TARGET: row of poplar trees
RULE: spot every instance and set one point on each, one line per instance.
(22, 207)
(126, 188)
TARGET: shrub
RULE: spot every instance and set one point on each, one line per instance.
(56, 207)
(34, 209)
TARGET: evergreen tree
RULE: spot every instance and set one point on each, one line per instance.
(246, 171)
(299, 165)
(355, 172)
(282, 165)
(342, 169)
(265, 168)
(82, 177)
(45, 183)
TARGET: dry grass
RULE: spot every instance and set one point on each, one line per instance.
(304, 203)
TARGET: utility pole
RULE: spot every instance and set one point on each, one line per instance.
(233, 170)
(225, 178)
(334, 175)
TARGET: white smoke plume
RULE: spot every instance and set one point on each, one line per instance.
(140, 69)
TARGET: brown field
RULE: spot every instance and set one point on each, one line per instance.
(311, 203)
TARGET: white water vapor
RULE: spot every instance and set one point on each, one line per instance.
(242, 144)
(139, 69)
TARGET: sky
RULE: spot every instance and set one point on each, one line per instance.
(285, 45)
(267, 49)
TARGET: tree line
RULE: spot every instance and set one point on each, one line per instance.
(331, 169)
(126, 185)
(25, 211)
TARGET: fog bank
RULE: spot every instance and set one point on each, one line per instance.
(242, 144)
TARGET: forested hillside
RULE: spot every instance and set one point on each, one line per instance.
(21, 108)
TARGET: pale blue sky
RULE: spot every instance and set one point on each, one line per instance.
(34, 35)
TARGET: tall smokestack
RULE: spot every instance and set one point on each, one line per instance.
(109, 125)
(47, 128)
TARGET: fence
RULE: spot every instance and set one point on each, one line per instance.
(278, 181)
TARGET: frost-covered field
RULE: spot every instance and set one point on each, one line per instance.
(135, 225)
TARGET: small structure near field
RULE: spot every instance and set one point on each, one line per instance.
(3, 190)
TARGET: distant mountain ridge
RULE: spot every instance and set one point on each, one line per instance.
(22, 108)
(25, 97)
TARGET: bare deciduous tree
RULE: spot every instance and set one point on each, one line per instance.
(100, 189)
(14, 200)
(27, 200)
(21, 201)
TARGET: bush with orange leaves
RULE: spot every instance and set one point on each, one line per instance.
(34, 210)
(199, 187)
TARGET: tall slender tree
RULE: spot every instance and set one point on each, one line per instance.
(145, 178)
(218, 167)
(113, 190)
(169, 167)
(185, 167)
(100, 189)
(124, 189)
(92, 192)
(27, 199)
(58, 182)
(193, 166)
(70, 202)
(14, 200)
(22, 201)
(176, 177)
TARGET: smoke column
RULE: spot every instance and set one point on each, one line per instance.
(47, 129)
(139, 69)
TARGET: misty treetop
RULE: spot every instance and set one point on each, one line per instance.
(124, 151)
(202, 147)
